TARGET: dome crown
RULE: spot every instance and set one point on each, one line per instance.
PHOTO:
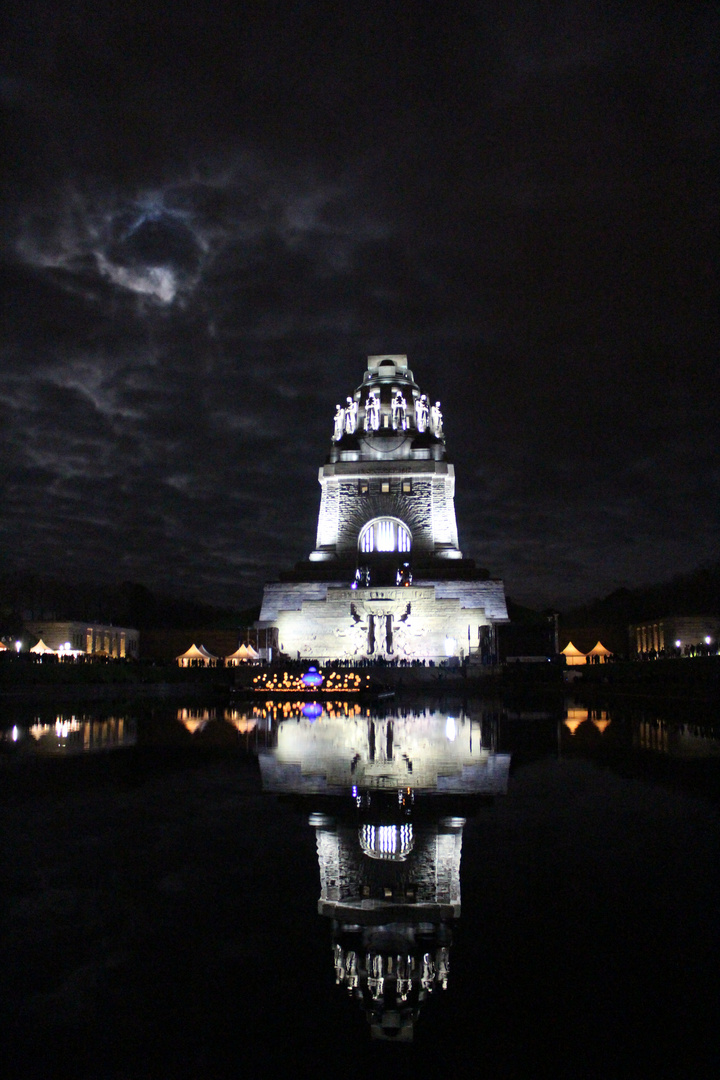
(388, 414)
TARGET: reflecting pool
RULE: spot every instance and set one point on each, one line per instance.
(507, 888)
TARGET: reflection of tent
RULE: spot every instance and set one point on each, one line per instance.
(601, 652)
(575, 717)
(196, 657)
(42, 648)
(242, 655)
(572, 655)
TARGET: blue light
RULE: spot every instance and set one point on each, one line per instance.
(312, 677)
(312, 710)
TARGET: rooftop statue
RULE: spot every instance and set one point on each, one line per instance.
(399, 411)
(351, 413)
(421, 413)
(436, 424)
(339, 423)
(372, 411)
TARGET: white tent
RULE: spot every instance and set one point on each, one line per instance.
(196, 657)
(42, 649)
(243, 655)
(601, 652)
(572, 655)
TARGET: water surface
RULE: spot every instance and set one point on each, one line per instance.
(477, 887)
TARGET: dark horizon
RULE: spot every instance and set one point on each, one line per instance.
(211, 218)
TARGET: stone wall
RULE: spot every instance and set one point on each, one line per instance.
(327, 622)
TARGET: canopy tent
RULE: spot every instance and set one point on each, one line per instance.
(196, 657)
(601, 652)
(3, 648)
(572, 655)
(245, 654)
(42, 649)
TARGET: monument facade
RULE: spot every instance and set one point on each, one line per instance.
(387, 579)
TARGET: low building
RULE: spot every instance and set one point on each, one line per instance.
(92, 639)
(675, 635)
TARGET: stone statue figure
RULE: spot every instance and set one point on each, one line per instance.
(339, 964)
(372, 411)
(399, 411)
(351, 412)
(351, 969)
(443, 966)
(404, 978)
(421, 413)
(339, 423)
(376, 980)
(436, 420)
(428, 972)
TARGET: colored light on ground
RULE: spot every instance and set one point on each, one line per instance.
(312, 677)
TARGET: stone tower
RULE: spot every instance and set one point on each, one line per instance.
(386, 580)
(387, 486)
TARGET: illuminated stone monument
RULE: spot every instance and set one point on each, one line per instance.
(387, 579)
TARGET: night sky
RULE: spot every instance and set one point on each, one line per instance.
(212, 213)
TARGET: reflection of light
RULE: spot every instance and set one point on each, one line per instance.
(15, 734)
(312, 710)
(64, 727)
(601, 725)
(241, 723)
(387, 841)
(450, 729)
(573, 725)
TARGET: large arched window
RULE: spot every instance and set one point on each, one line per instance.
(385, 534)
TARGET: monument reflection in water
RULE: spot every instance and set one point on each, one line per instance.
(387, 796)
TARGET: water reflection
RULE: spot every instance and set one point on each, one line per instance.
(388, 796)
(197, 719)
(638, 730)
(589, 902)
(575, 715)
(676, 740)
(70, 733)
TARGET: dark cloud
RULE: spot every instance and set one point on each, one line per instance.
(211, 216)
